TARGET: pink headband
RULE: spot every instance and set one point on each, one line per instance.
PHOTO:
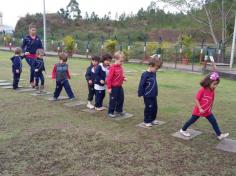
(214, 76)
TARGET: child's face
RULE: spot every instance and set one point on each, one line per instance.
(94, 62)
(213, 85)
(120, 60)
(40, 56)
(33, 31)
(107, 63)
(153, 69)
(61, 61)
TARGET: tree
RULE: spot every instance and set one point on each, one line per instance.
(74, 11)
(212, 16)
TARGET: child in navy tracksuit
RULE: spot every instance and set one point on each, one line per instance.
(38, 70)
(30, 45)
(148, 89)
(100, 81)
(61, 74)
(90, 77)
(115, 81)
(16, 67)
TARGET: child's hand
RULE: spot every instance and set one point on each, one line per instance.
(201, 110)
(102, 82)
(36, 70)
(125, 79)
(17, 71)
(90, 82)
(109, 91)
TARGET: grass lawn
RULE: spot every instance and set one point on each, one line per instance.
(38, 137)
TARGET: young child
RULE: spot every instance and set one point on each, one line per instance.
(100, 78)
(115, 80)
(148, 89)
(90, 77)
(16, 67)
(39, 68)
(61, 74)
(30, 45)
(204, 100)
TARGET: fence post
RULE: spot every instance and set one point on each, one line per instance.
(193, 59)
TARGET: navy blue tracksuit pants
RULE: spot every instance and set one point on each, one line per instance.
(66, 85)
(39, 76)
(31, 64)
(150, 111)
(116, 100)
(211, 118)
(16, 79)
(91, 93)
(99, 96)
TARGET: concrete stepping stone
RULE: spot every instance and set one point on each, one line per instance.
(142, 125)
(194, 133)
(91, 111)
(25, 90)
(75, 104)
(3, 81)
(228, 145)
(58, 99)
(5, 84)
(11, 87)
(126, 116)
(36, 94)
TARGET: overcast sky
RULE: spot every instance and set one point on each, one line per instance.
(13, 9)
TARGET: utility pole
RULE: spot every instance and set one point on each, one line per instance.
(44, 27)
(233, 45)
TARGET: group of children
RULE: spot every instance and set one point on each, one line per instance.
(101, 75)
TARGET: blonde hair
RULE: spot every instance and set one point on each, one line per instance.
(17, 50)
(63, 56)
(119, 54)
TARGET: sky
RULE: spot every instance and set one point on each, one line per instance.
(14, 9)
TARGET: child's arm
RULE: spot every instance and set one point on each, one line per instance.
(68, 74)
(54, 71)
(109, 79)
(141, 85)
(88, 74)
(198, 97)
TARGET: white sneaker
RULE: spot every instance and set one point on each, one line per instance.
(222, 136)
(155, 122)
(90, 106)
(148, 124)
(184, 133)
(100, 108)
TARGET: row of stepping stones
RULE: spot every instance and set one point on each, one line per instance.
(227, 144)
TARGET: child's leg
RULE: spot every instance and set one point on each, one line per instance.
(192, 120)
(16, 78)
(58, 89)
(36, 79)
(120, 100)
(42, 79)
(68, 89)
(99, 96)
(91, 92)
(155, 109)
(112, 100)
(211, 118)
(148, 110)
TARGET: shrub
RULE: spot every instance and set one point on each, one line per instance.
(110, 45)
(69, 43)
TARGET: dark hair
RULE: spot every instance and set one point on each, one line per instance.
(63, 56)
(96, 58)
(17, 50)
(206, 82)
(155, 62)
(106, 57)
(32, 26)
